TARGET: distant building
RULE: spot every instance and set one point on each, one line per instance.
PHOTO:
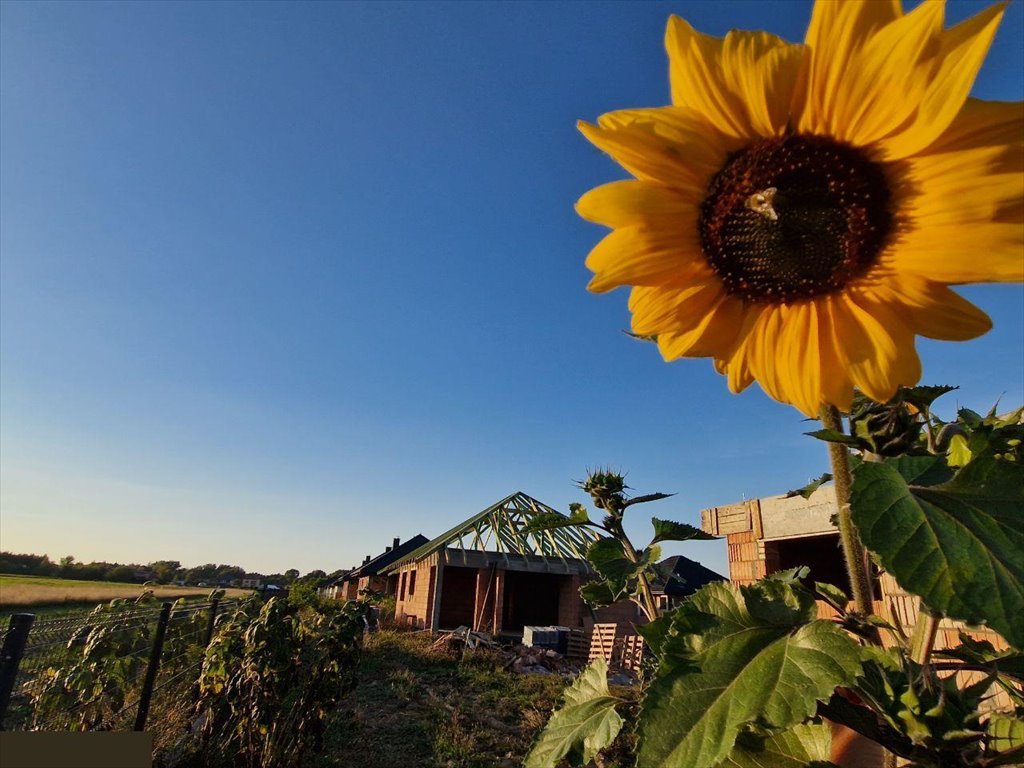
(368, 575)
(252, 581)
(678, 578)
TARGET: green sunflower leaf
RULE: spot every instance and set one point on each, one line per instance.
(1005, 733)
(808, 744)
(1009, 662)
(810, 488)
(959, 452)
(600, 593)
(609, 559)
(833, 436)
(923, 396)
(585, 724)
(741, 654)
(833, 595)
(666, 530)
(958, 544)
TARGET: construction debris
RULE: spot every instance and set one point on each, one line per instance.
(463, 638)
(527, 660)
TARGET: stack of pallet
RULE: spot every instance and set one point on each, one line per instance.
(619, 645)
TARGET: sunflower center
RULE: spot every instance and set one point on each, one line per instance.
(794, 218)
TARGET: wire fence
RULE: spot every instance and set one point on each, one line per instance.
(108, 669)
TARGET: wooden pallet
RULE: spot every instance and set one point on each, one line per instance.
(631, 651)
(602, 643)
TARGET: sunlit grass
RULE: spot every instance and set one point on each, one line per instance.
(38, 591)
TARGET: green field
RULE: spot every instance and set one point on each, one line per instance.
(43, 595)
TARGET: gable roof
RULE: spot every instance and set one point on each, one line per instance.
(386, 558)
(499, 528)
(681, 576)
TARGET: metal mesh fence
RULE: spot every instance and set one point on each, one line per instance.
(87, 671)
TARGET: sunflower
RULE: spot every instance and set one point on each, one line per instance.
(800, 211)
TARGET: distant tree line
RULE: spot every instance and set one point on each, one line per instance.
(160, 571)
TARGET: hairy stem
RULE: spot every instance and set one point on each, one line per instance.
(647, 596)
(853, 551)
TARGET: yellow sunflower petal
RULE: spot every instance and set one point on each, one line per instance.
(672, 309)
(836, 32)
(836, 386)
(932, 310)
(801, 373)
(984, 253)
(622, 203)
(738, 365)
(764, 342)
(742, 84)
(983, 124)
(962, 50)
(877, 346)
(714, 334)
(974, 186)
(642, 256)
(792, 351)
(963, 201)
(883, 82)
(670, 145)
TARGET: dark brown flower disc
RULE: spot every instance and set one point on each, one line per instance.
(793, 218)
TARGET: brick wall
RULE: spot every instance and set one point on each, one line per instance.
(746, 559)
(417, 604)
(624, 613)
(570, 604)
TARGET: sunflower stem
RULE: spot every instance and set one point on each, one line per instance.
(923, 639)
(647, 603)
(853, 551)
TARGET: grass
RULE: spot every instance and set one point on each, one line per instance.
(416, 706)
(48, 595)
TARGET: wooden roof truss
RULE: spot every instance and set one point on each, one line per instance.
(501, 528)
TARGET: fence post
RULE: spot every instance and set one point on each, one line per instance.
(10, 657)
(151, 668)
(209, 622)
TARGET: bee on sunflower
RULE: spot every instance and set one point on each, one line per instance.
(800, 211)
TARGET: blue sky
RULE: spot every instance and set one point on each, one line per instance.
(283, 281)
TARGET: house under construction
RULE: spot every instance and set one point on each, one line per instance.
(490, 574)
(775, 533)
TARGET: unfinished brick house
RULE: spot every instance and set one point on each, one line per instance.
(774, 533)
(489, 574)
(368, 575)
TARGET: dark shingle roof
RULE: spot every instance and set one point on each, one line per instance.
(385, 559)
(681, 576)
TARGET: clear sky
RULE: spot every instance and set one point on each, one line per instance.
(283, 281)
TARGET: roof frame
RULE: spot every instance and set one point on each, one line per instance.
(499, 528)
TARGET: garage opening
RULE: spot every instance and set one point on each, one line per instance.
(531, 599)
(458, 597)
(822, 554)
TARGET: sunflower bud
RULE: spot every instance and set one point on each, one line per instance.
(606, 489)
(886, 429)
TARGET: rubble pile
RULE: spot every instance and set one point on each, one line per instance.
(540, 661)
(520, 658)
